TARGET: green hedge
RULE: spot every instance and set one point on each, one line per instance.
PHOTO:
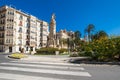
(63, 50)
(46, 51)
(49, 51)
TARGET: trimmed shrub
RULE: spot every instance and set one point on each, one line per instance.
(46, 51)
(63, 50)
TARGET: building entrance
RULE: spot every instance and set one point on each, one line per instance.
(10, 49)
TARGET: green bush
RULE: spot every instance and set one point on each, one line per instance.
(49, 51)
(102, 50)
(46, 51)
(63, 50)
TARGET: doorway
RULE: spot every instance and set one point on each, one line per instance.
(10, 49)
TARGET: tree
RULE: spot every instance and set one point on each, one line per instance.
(100, 35)
(77, 38)
(90, 28)
(77, 34)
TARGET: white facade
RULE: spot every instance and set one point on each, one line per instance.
(19, 30)
(63, 34)
(44, 34)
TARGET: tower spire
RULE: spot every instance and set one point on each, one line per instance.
(52, 34)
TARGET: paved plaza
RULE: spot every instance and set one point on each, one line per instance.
(14, 69)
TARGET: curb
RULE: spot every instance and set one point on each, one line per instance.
(99, 63)
(13, 57)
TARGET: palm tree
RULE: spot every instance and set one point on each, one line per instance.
(77, 34)
(77, 38)
(89, 29)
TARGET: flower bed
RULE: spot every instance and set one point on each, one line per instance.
(17, 55)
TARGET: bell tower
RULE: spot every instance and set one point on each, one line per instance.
(53, 27)
(52, 34)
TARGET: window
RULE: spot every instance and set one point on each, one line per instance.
(3, 27)
(27, 25)
(27, 20)
(7, 41)
(8, 13)
(20, 29)
(31, 48)
(3, 21)
(2, 34)
(27, 31)
(12, 20)
(2, 16)
(26, 48)
(19, 48)
(20, 42)
(20, 23)
(21, 17)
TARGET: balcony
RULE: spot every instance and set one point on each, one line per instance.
(27, 38)
(19, 37)
(20, 31)
(1, 36)
(27, 43)
(1, 43)
(27, 32)
(2, 29)
(19, 43)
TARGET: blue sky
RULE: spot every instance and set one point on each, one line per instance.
(74, 14)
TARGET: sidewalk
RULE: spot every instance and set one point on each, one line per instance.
(47, 58)
(51, 58)
(64, 59)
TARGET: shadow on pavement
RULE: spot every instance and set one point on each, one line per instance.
(88, 61)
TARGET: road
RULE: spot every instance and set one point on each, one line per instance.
(11, 69)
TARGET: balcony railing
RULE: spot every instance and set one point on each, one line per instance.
(2, 29)
(2, 43)
(19, 37)
(27, 43)
(1, 36)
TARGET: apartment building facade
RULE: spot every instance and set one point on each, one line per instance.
(44, 32)
(19, 30)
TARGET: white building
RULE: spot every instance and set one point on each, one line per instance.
(44, 32)
(19, 30)
(63, 34)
